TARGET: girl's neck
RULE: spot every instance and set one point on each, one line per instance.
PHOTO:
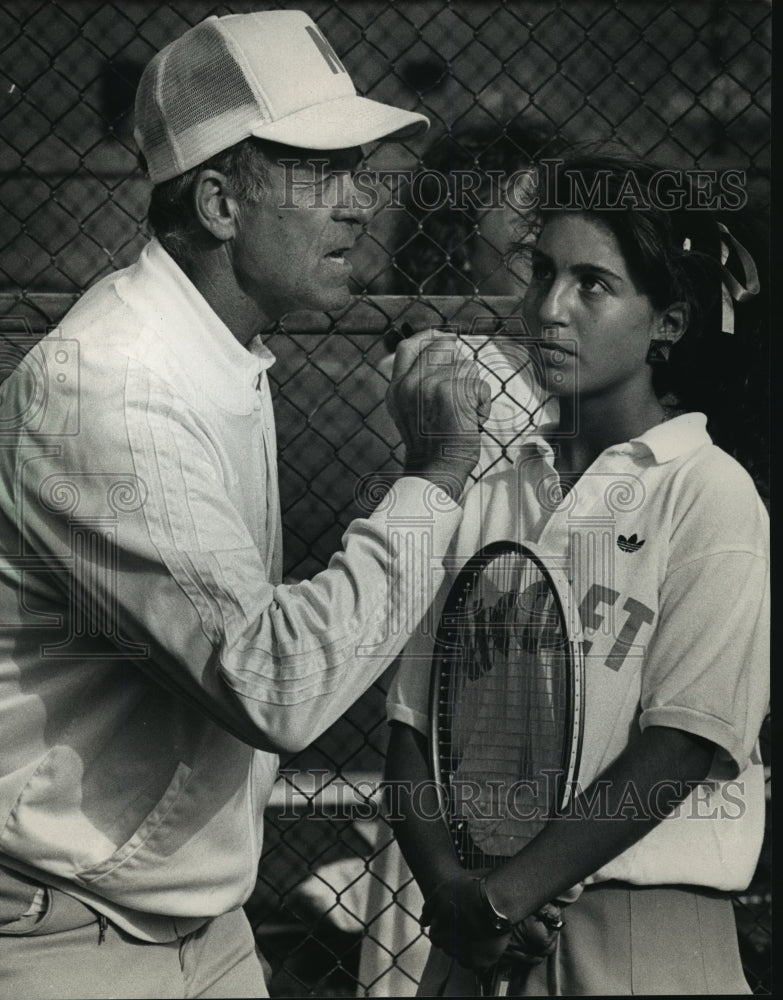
(598, 424)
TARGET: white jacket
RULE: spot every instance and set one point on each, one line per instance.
(151, 663)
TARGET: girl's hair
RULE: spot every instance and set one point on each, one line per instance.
(669, 237)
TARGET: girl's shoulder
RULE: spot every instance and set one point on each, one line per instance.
(713, 497)
(712, 471)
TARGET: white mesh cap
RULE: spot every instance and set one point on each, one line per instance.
(270, 74)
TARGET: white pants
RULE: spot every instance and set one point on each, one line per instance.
(59, 961)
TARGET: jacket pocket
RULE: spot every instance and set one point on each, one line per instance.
(149, 825)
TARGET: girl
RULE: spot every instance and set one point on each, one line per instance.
(632, 303)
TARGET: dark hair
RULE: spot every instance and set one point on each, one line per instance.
(170, 214)
(437, 245)
(672, 248)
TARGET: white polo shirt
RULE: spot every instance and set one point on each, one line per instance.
(675, 618)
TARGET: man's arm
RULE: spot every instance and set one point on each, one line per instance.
(179, 583)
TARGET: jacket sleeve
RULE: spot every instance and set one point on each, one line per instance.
(146, 547)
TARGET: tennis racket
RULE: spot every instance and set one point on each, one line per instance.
(506, 707)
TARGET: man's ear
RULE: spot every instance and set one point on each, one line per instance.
(673, 322)
(215, 207)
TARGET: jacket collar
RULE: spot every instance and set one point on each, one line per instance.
(192, 332)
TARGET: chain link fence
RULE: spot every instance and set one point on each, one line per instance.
(681, 82)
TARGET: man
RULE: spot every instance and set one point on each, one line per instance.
(151, 664)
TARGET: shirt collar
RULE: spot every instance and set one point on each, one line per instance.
(672, 439)
(226, 370)
(664, 442)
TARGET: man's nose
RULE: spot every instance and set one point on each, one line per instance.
(360, 199)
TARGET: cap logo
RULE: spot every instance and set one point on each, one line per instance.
(326, 50)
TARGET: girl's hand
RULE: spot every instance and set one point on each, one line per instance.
(460, 925)
(536, 936)
(456, 915)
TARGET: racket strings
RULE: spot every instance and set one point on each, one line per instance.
(504, 705)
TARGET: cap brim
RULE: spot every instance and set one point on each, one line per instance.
(342, 123)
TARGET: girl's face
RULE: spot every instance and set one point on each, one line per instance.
(600, 324)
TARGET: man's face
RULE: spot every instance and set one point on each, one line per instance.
(289, 251)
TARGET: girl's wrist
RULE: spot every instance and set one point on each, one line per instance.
(504, 896)
(438, 871)
(497, 918)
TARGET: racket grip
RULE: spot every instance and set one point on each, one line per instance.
(495, 982)
(502, 983)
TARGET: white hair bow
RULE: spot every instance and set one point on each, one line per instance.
(732, 290)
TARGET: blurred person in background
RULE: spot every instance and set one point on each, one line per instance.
(460, 216)
(472, 196)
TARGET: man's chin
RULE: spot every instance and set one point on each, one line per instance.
(333, 301)
(323, 301)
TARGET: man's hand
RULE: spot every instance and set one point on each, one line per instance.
(456, 915)
(438, 402)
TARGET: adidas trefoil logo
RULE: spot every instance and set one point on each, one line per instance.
(629, 544)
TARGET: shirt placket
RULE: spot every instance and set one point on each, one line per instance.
(270, 500)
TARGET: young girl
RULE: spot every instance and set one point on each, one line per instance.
(642, 305)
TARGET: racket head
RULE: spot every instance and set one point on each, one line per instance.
(506, 701)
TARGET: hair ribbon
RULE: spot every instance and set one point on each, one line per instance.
(732, 290)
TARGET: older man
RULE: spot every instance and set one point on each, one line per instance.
(151, 662)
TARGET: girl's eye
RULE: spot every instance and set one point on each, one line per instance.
(590, 283)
